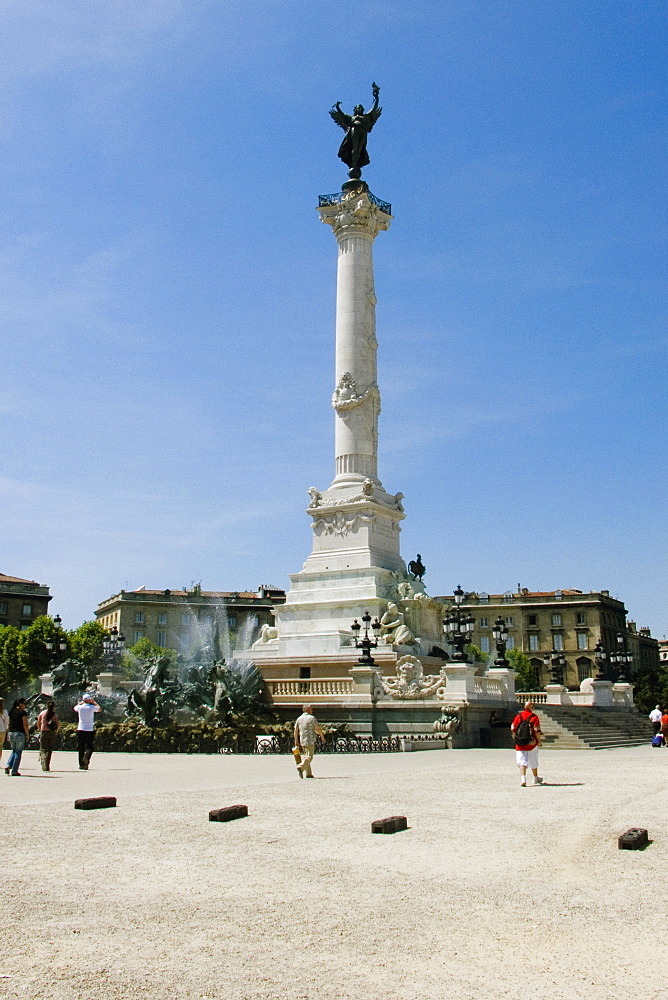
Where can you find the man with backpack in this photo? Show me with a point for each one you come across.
(526, 732)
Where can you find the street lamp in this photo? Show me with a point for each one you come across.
(58, 645)
(366, 644)
(622, 658)
(500, 633)
(601, 660)
(112, 645)
(458, 626)
(556, 663)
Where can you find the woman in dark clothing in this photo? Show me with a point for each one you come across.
(18, 735)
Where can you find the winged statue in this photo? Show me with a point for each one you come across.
(357, 127)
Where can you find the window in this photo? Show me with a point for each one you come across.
(484, 623)
(231, 621)
(484, 598)
(3, 609)
(533, 643)
(206, 619)
(139, 618)
(558, 641)
(484, 643)
(24, 628)
(162, 619)
(508, 596)
(509, 620)
(582, 640)
(556, 620)
(27, 610)
(162, 638)
(138, 634)
(532, 620)
(510, 642)
(185, 619)
(582, 618)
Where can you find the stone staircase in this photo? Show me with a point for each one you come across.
(573, 728)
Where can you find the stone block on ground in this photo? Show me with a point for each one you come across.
(633, 840)
(391, 824)
(227, 813)
(101, 802)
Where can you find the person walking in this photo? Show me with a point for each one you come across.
(19, 731)
(655, 719)
(86, 710)
(48, 725)
(307, 728)
(664, 726)
(526, 731)
(4, 725)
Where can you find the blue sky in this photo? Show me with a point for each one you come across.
(167, 290)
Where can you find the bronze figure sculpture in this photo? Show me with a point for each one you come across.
(357, 126)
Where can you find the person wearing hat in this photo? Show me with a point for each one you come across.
(86, 710)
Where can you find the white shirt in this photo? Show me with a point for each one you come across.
(655, 715)
(86, 713)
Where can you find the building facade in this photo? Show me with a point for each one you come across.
(564, 621)
(187, 620)
(21, 601)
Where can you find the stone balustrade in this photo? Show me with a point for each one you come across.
(312, 688)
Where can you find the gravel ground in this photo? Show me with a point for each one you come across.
(493, 891)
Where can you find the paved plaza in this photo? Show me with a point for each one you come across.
(493, 891)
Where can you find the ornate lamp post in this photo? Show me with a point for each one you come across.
(622, 658)
(57, 646)
(457, 627)
(113, 644)
(500, 633)
(601, 660)
(366, 644)
(556, 661)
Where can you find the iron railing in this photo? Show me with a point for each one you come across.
(337, 744)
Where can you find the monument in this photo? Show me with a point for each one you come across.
(355, 565)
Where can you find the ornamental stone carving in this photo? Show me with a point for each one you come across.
(269, 633)
(316, 497)
(341, 524)
(393, 628)
(347, 395)
(355, 215)
(411, 682)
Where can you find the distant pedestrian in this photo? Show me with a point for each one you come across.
(4, 725)
(526, 731)
(655, 719)
(664, 726)
(48, 725)
(86, 711)
(19, 731)
(307, 728)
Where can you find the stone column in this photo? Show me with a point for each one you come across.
(356, 219)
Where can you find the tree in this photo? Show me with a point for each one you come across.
(86, 643)
(476, 653)
(32, 654)
(11, 676)
(143, 650)
(525, 679)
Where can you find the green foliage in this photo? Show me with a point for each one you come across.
(86, 643)
(134, 737)
(134, 658)
(12, 678)
(651, 688)
(476, 653)
(31, 654)
(518, 661)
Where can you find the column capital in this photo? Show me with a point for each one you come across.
(357, 213)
